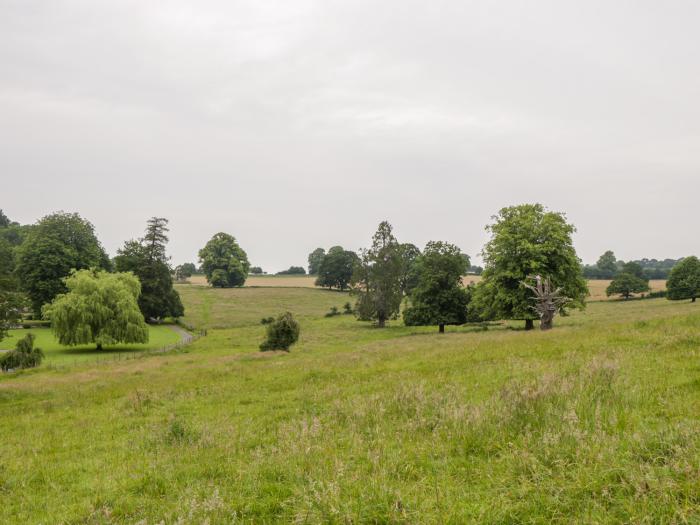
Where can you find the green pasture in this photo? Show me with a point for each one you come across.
(58, 354)
(594, 422)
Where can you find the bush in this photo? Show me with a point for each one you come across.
(333, 312)
(347, 309)
(267, 320)
(281, 334)
(23, 356)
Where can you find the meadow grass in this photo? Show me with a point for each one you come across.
(58, 354)
(208, 307)
(593, 422)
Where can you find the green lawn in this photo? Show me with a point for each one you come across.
(594, 422)
(57, 354)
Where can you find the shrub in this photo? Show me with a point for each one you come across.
(281, 334)
(347, 309)
(23, 356)
(333, 312)
(267, 320)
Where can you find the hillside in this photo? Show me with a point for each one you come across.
(595, 421)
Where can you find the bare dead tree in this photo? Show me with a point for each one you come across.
(547, 301)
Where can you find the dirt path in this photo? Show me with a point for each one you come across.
(185, 336)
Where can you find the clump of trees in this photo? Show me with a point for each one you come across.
(100, 308)
(224, 262)
(23, 356)
(147, 259)
(56, 245)
(684, 281)
(527, 240)
(282, 333)
(293, 270)
(255, 270)
(184, 271)
(336, 268)
(626, 284)
(439, 298)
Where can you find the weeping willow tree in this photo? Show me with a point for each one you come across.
(100, 308)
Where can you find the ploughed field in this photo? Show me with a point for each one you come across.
(596, 422)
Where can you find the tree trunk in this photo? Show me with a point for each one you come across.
(693, 300)
(99, 346)
(547, 319)
(441, 328)
(529, 324)
(381, 322)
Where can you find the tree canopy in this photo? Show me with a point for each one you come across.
(100, 308)
(293, 270)
(377, 278)
(224, 262)
(315, 259)
(410, 255)
(439, 298)
(59, 243)
(626, 284)
(147, 259)
(607, 265)
(684, 281)
(336, 268)
(527, 240)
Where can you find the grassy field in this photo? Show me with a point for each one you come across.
(57, 354)
(596, 287)
(284, 281)
(594, 422)
(208, 307)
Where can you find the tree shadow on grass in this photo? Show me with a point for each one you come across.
(107, 350)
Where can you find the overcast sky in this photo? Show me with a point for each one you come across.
(297, 124)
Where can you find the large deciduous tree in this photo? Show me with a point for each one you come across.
(336, 268)
(439, 298)
(377, 278)
(410, 254)
(224, 262)
(59, 243)
(527, 240)
(147, 259)
(607, 265)
(315, 260)
(99, 308)
(684, 281)
(626, 284)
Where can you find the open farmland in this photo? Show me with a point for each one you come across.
(596, 287)
(278, 281)
(595, 421)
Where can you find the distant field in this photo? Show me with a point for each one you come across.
(286, 281)
(208, 307)
(595, 287)
(55, 353)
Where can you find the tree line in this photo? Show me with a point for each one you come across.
(531, 271)
(608, 267)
